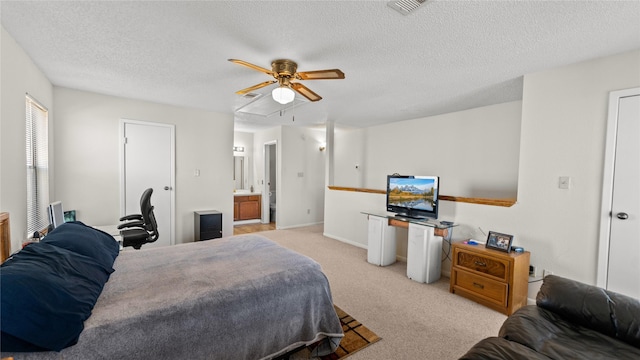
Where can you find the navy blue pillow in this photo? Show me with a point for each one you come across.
(85, 240)
(49, 290)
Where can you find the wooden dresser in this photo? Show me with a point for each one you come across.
(493, 278)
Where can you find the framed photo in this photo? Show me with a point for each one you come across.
(498, 241)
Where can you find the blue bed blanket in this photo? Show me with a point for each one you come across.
(48, 289)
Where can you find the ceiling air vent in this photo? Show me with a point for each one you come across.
(405, 7)
(251, 95)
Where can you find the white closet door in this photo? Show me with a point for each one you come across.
(624, 244)
(148, 163)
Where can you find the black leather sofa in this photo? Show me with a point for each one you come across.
(570, 320)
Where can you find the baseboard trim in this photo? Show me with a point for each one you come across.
(346, 241)
(297, 226)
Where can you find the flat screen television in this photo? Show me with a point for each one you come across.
(56, 214)
(413, 196)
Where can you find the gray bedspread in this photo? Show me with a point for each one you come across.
(242, 297)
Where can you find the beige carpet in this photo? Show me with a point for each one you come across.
(414, 320)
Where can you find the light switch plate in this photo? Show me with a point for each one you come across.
(564, 182)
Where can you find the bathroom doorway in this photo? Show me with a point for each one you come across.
(269, 200)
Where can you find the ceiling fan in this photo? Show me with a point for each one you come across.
(283, 71)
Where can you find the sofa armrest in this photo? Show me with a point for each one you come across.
(607, 312)
(496, 348)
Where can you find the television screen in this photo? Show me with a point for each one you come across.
(413, 196)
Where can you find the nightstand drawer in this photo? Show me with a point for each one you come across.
(489, 289)
(486, 265)
(492, 278)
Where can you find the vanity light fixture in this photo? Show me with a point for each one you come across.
(238, 148)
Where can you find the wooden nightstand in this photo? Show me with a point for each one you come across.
(493, 278)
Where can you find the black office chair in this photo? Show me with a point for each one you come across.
(140, 229)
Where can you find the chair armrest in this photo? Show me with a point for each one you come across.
(130, 224)
(131, 217)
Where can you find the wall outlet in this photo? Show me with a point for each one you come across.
(533, 271)
(546, 272)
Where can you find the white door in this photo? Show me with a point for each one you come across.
(624, 244)
(148, 162)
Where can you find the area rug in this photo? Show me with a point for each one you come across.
(356, 337)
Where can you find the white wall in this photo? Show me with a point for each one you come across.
(561, 133)
(564, 116)
(475, 152)
(343, 218)
(19, 76)
(87, 157)
(300, 173)
(301, 177)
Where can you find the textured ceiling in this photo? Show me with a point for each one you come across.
(446, 56)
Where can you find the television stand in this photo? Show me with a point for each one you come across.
(424, 244)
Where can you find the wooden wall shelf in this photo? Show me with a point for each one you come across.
(481, 201)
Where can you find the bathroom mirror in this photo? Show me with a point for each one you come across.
(239, 172)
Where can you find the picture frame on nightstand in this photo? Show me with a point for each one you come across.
(499, 241)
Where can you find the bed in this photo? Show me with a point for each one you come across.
(242, 297)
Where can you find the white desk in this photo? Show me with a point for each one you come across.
(111, 230)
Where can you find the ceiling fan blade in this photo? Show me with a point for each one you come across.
(306, 92)
(320, 74)
(251, 66)
(255, 87)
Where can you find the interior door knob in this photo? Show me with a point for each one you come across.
(622, 216)
(167, 187)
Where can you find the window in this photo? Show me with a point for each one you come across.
(37, 150)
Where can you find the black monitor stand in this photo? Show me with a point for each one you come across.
(403, 216)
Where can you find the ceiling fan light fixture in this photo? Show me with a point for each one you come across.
(283, 72)
(283, 95)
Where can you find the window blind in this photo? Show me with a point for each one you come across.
(37, 151)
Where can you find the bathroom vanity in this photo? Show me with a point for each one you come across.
(246, 206)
